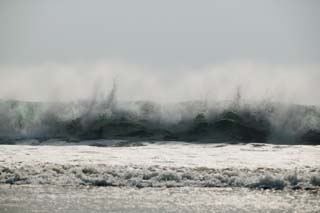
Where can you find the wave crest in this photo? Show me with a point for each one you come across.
(187, 121)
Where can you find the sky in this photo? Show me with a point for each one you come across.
(156, 49)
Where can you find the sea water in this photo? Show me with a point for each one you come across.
(159, 177)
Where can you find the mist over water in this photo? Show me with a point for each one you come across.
(229, 102)
(218, 82)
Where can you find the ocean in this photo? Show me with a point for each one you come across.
(107, 156)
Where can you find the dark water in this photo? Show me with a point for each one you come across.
(193, 121)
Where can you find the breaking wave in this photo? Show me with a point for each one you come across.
(196, 121)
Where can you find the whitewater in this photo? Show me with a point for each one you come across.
(195, 156)
(100, 176)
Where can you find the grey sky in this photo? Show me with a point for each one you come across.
(159, 33)
(165, 50)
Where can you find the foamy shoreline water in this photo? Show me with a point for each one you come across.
(83, 199)
(159, 177)
(163, 165)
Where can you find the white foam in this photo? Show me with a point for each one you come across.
(157, 165)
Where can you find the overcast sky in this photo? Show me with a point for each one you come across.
(159, 33)
(160, 50)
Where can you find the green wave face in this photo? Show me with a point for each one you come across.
(188, 121)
